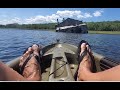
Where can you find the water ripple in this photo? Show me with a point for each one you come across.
(14, 42)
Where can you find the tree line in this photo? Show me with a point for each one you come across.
(104, 26)
(95, 26)
(30, 26)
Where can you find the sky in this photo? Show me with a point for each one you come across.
(50, 15)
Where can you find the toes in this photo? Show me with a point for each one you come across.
(36, 49)
(35, 46)
(29, 51)
(26, 55)
(83, 47)
(88, 48)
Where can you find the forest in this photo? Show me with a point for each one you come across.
(30, 26)
(92, 26)
(104, 26)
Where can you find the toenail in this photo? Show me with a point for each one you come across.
(29, 49)
(27, 52)
(83, 45)
(33, 45)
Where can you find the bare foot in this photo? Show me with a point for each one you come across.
(25, 56)
(85, 65)
(36, 49)
(32, 70)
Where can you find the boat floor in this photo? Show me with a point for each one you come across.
(59, 71)
(45, 75)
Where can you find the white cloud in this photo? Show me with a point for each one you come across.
(67, 13)
(98, 13)
(43, 19)
(10, 21)
(76, 14)
(53, 18)
(80, 16)
(58, 15)
(15, 20)
(35, 19)
(87, 15)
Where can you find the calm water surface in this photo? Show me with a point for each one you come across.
(14, 41)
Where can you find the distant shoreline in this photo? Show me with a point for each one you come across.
(89, 31)
(29, 29)
(104, 32)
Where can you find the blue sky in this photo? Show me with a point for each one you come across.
(50, 15)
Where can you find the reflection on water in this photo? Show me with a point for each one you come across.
(14, 42)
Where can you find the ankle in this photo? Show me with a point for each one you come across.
(84, 73)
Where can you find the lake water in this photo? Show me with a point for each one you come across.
(14, 41)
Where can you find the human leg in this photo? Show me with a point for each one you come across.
(8, 74)
(32, 70)
(85, 73)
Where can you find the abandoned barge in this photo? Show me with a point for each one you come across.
(72, 26)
